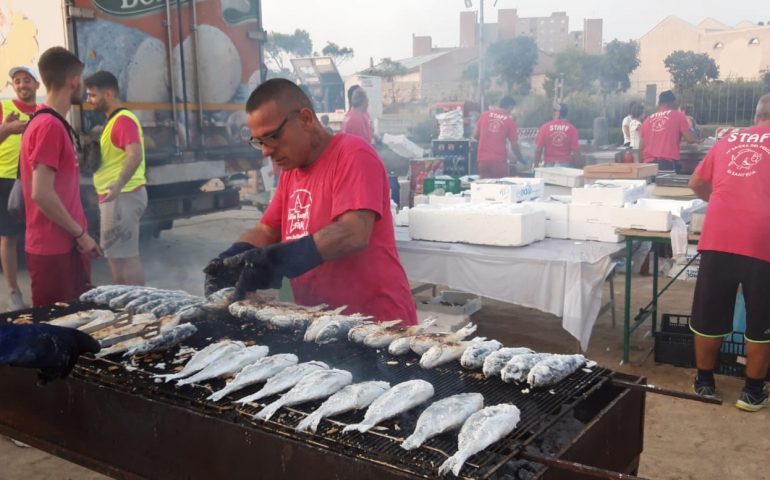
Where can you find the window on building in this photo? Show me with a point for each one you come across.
(754, 41)
(719, 45)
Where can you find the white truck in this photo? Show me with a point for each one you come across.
(185, 68)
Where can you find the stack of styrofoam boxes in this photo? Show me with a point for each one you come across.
(690, 273)
(556, 209)
(655, 214)
(593, 207)
(448, 199)
(506, 190)
(477, 223)
(561, 176)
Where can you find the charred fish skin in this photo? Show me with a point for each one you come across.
(257, 372)
(202, 358)
(554, 369)
(475, 355)
(166, 340)
(172, 306)
(338, 328)
(399, 399)
(104, 297)
(90, 295)
(284, 380)
(383, 337)
(358, 333)
(400, 346)
(517, 369)
(421, 343)
(446, 352)
(481, 430)
(498, 359)
(313, 386)
(228, 364)
(351, 397)
(442, 416)
(122, 301)
(219, 300)
(78, 319)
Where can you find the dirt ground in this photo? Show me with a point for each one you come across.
(683, 439)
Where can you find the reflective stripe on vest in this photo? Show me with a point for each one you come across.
(113, 159)
(9, 149)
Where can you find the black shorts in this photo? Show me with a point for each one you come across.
(9, 225)
(713, 306)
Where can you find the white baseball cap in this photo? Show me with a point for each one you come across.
(23, 68)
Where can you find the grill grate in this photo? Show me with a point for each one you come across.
(538, 406)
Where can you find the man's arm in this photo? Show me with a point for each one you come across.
(133, 160)
(261, 235)
(538, 156)
(350, 233)
(517, 151)
(11, 126)
(44, 195)
(689, 137)
(576, 156)
(701, 187)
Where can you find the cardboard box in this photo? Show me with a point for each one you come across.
(602, 214)
(610, 192)
(562, 176)
(593, 231)
(506, 190)
(620, 170)
(452, 308)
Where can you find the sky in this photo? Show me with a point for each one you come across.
(383, 28)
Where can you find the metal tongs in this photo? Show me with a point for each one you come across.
(143, 330)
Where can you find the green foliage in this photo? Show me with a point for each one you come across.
(688, 69)
(580, 72)
(513, 60)
(338, 53)
(533, 111)
(280, 47)
(387, 68)
(617, 63)
(726, 103)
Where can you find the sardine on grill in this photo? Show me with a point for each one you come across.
(554, 369)
(358, 333)
(165, 324)
(474, 356)
(352, 397)
(497, 360)
(399, 399)
(445, 352)
(313, 386)
(228, 364)
(284, 380)
(205, 357)
(442, 416)
(517, 369)
(338, 328)
(164, 341)
(382, 337)
(257, 372)
(422, 342)
(83, 317)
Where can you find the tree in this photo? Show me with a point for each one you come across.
(688, 69)
(620, 59)
(339, 54)
(513, 60)
(766, 82)
(280, 47)
(389, 70)
(580, 72)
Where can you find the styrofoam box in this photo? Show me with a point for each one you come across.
(449, 318)
(640, 218)
(506, 190)
(681, 208)
(593, 231)
(556, 215)
(402, 218)
(562, 176)
(610, 192)
(482, 224)
(448, 199)
(557, 228)
(582, 213)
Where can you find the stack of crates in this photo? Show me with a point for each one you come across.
(459, 156)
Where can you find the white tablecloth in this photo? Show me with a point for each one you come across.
(563, 277)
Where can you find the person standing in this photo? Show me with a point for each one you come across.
(329, 227)
(557, 141)
(663, 131)
(625, 125)
(15, 114)
(734, 178)
(357, 121)
(635, 126)
(58, 246)
(119, 180)
(494, 130)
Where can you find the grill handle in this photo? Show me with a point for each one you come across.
(577, 467)
(664, 391)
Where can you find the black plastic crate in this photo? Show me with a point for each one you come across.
(674, 345)
(459, 156)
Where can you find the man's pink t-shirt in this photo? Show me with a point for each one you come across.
(358, 124)
(738, 215)
(559, 139)
(347, 176)
(662, 133)
(496, 128)
(46, 141)
(124, 132)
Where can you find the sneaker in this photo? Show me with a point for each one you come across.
(705, 390)
(751, 402)
(16, 302)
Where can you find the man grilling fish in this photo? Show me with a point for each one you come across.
(329, 227)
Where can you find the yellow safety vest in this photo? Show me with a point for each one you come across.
(9, 149)
(113, 159)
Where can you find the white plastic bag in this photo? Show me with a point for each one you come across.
(402, 146)
(679, 239)
(450, 125)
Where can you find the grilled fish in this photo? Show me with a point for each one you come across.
(319, 322)
(164, 341)
(172, 306)
(219, 300)
(190, 312)
(138, 323)
(398, 399)
(122, 301)
(422, 343)
(554, 369)
(481, 430)
(165, 324)
(78, 319)
(383, 337)
(517, 369)
(474, 356)
(446, 352)
(358, 333)
(103, 320)
(338, 328)
(105, 296)
(204, 357)
(313, 386)
(497, 360)
(90, 295)
(442, 416)
(228, 364)
(400, 346)
(284, 380)
(352, 397)
(257, 372)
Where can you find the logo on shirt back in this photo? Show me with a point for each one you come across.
(559, 138)
(298, 216)
(659, 121)
(744, 159)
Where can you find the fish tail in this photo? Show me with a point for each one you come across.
(268, 411)
(218, 395)
(412, 442)
(309, 423)
(454, 464)
(361, 427)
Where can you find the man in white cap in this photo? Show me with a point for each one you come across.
(14, 114)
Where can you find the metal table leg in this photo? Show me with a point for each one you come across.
(627, 305)
(655, 295)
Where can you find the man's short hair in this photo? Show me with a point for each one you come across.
(561, 108)
(507, 102)
(284, 92)
(351, 90)
(102, 80)
(666, 98)
(57, 65)
(358, 98)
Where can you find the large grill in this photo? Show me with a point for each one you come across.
(585, 396)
